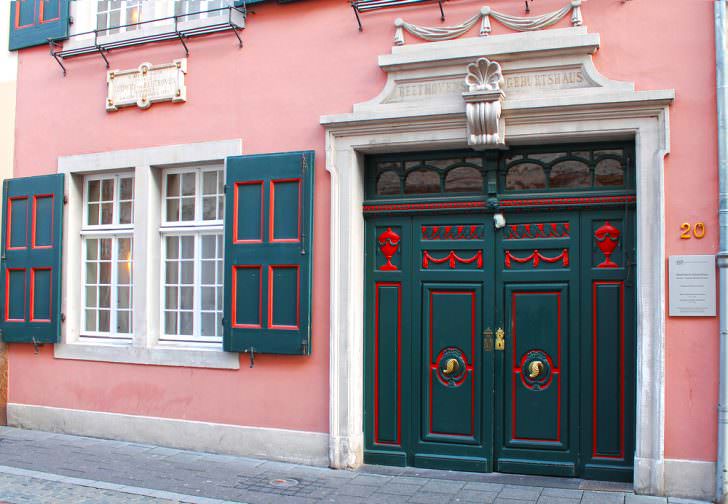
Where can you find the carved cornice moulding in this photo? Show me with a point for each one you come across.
(543, 72)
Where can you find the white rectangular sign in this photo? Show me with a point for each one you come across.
(146, 85)
(692, 286)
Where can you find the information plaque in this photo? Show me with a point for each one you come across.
(146, 84)
(692, 285)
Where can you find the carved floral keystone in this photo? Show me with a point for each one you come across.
(486, 128)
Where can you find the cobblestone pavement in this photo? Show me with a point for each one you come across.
(40, 467)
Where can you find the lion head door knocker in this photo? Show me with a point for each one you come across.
(388, 244)
(607, 238)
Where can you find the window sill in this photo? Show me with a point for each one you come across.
(158, 356)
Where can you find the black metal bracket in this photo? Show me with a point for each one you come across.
(57, 52)
(361, 6)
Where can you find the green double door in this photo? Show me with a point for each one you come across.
(507, 350)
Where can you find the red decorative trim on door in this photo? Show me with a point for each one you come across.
(236, 240)
(607, 238)
(469, 363)
(451, 259)
(9, 230)
(593, 200)
(34, 220)
(555, 369)
(537, 230)
(453, 232)
(449, 205)
(388, 245)
(377, 285)
(7, 294)
(271, 212)
(32, 295)
(234, 302)
(271, 298)
(596, 455)
(537, 257)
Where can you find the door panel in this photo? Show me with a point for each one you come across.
(537, 304)
(534, 401)
(452, 285)
(451, 412)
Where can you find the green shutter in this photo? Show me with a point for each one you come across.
(32, 232)
(33, 22)
(268, 259)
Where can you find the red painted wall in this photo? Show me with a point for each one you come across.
(307, 59)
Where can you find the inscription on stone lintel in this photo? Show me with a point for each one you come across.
(522, 81)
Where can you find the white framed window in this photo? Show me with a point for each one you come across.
(106, 252)
(194, 8)
(192, 254)
(133, 240)
(111, 14)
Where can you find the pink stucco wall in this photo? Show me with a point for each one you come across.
(307, 59)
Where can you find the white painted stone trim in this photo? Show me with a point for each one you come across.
(276, 444)
(145, 347)
(690, 478)
(603, 110)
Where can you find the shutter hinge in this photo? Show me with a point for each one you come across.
(224, 188)
(36, 346)
(304, 346)
(63, 317)
(65, 199)
(251, 350)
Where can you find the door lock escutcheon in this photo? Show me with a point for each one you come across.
(488, 340)
(500, 339)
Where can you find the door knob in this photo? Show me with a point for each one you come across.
(535, 368)
(451, 367)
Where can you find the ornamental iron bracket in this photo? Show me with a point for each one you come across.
(486, 126)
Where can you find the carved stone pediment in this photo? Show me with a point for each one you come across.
(543, 69)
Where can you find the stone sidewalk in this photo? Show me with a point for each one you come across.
(40, 467)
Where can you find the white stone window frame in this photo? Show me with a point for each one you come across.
(196, 228)
(83, 13)
(113, 231)
(148, 165)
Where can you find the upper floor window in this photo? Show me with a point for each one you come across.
(195, 9)
(112, 15)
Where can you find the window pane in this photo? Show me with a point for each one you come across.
(170, 295)
(188, 184)
(185, 323)
(208, 324)
(208, 272)
(104, 320)
(123, 322)
(125, 216)
(187, 272)
(90, 296)
(173, 184)
(171, 272)
(93, 214)
(172, 210)
(94, 190)
(525, 176)
(208, 298)
(126, 188)
(609, 172)
(421, 182)
(570, 174)
(91, 273)
(90, 320)
(124, 261)
(388, 183)
(107, 213)
(105, 249)
(107, 190)
(172, 247)
(124, 297)
(105, 273)
(464, 179)
(188, 209)
(188, 247)
(208, 246)
(170, 322)
(209, 182)
(104, 296)
(209, 208)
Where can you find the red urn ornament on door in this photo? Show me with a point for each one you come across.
(607, 238)
(388, 244)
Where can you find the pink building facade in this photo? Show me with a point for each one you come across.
(148, 347)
